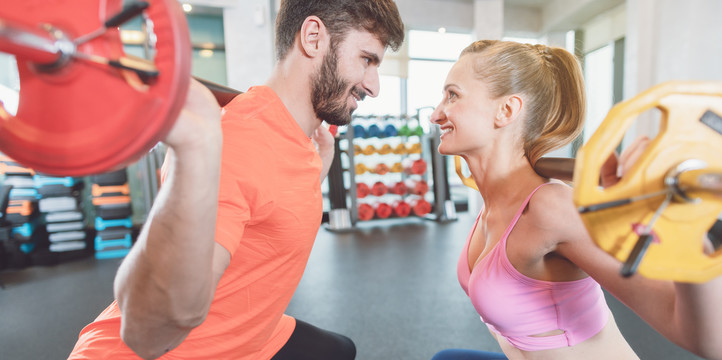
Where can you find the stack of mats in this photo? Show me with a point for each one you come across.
(64, 219)
(21, 216)
(113, 223)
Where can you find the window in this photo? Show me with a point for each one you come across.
(599, 81)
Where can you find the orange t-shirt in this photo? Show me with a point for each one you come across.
(269, 212)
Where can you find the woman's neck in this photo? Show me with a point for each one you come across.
(502, 176)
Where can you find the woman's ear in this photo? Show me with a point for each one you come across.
(509, 110)
(313, 37)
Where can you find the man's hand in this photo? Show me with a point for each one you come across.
(325, 144)
(198, 123)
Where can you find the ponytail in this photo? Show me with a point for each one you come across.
(552, 80)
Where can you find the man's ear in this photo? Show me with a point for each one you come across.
(313, 37)
(509, 110)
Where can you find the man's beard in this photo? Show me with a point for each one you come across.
(329, 92)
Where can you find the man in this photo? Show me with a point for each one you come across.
(182, 293)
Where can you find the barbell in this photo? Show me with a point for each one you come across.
(656, 217)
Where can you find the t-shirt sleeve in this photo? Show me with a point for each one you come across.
(234, 213)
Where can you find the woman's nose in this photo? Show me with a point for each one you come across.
(438, 115)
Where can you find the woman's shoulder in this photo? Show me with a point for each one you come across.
(551, 209)
(550, 202)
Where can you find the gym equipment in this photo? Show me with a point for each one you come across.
(401, 208)
(359, 131)
(381, 169)
(368, 150)
(683, 161)
(417, 167)
(110, 190)
(399, 188)
(417, 187)
(362, 190)
(673, 193)
(397, 168)
(365, 212)
(378, 189)
(86, 107)
(361, 168)
(415, 148)
(385, 149)
(383, 210)
(419, 206)
(373, 131)
(390, 131)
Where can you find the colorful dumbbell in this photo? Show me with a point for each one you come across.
(365, 212)
(401, 208)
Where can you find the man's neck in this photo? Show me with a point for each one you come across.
(293, 87)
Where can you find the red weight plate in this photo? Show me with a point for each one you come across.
(88, 118)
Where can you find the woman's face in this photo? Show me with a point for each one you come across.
(466, 112)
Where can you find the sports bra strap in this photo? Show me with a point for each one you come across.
(521, 210)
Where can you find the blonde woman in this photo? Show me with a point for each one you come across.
(529, 266)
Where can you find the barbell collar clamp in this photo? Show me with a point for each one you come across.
(129, 11)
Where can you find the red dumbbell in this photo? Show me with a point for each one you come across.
(365, 212)
(401, 208)
(417, 166)
(379, 189)
(419, 206)
(417, 187)
(383, 210)
(362, 190)
(398, 188)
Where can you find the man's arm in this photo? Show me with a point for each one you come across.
(165, 285)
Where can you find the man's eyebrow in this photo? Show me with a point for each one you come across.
(374, 58)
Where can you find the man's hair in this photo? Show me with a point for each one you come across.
(379, 17)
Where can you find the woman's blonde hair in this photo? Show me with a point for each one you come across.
(550, 77)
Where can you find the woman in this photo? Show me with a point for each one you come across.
(528, 265)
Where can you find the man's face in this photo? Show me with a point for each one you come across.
(347, 74)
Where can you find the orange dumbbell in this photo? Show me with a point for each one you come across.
(381, 169)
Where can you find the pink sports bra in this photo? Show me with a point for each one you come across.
(516, 306)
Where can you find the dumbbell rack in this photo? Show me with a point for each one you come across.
(379, 158)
